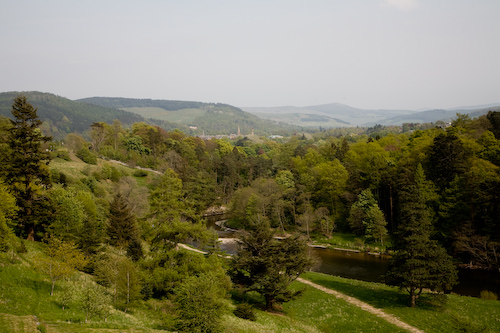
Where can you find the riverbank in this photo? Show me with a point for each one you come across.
(340, 241)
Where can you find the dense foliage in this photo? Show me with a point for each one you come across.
(431, 193)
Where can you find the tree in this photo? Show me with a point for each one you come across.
(418, 261)
(63, 259)
(27, 167)
(494, 118)
(7, 210)
(447, 158)
(121, 276)
(67, 218)
(268, 266)
(201, 301)
(98, 133)
(122, 228)
(366, 218)
(94, 301)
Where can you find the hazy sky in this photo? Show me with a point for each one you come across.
(393, 54)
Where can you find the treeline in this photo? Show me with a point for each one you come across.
(317, 183)
(169, 105)
(217, 118)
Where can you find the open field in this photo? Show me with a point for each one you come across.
(184, 116)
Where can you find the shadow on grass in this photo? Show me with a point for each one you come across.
(380, 295)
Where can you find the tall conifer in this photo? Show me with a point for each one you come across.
(27, 170)
(122, 228)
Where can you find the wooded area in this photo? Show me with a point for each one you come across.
(430, 195)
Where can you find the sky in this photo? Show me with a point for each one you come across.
(371, 54)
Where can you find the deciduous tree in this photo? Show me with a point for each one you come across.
(63, 259)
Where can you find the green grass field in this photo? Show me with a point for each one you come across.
(435, 313)
(184, 116)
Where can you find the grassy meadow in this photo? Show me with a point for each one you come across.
(183, 116)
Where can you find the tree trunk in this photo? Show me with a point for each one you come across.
(269, 303)
(413, 301)
(31, 234)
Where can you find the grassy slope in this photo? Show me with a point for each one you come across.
(450, 313)
(184, 116)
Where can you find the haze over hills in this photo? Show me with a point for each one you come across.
(341, 115)
(208, 118)
(62, 116)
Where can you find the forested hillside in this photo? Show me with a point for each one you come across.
(108, 239)
(61, 116)
(208, 118)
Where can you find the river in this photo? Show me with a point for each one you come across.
(366, 267)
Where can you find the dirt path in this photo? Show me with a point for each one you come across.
(378, 312)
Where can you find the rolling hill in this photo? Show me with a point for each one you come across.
(341, 115)
(62, 116)
(325, 115)
(208, 118)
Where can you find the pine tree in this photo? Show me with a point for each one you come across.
(268, 266)
(27, 171)
(122, 228)
(418, 262)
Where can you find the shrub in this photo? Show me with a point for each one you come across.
(201, 302)
(245, 311)
(140, 173)
(63, 154)
(42, 328)
(488, 295)
(87, 156)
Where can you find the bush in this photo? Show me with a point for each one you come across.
(201, 302)
(42, 328)
(140, 173)
(87, 156)
(63, 154)
(245, 311)
(488, 295)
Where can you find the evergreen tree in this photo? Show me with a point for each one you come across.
(7, 209)
(366, 218)
(418, 261)
(268, 266)
(27, 171)
(122, 228)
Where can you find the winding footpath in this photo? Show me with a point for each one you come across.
(367, 307)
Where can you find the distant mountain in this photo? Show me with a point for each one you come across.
(208, 118)
(475, 107)
(341, 115)
(335, 114)
(62, 116)
(431, 116)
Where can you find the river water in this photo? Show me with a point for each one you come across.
(366, 267)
